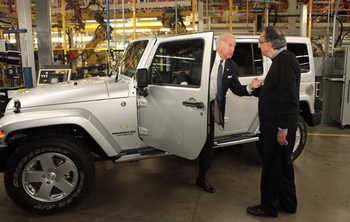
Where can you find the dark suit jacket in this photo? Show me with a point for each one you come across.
(230, 81)
(279, 96)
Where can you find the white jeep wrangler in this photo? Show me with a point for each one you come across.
(51, 135)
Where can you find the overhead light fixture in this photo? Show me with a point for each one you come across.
(111, 20)
(148, 19)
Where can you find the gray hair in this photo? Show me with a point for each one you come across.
(222, 37)
(275, 36)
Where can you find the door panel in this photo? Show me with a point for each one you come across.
(242, 111)
(174, 115)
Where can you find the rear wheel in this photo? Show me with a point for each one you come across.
(49, 175)
(300, 140)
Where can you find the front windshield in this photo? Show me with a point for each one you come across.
(131, 57)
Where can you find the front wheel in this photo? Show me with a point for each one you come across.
(49, 175)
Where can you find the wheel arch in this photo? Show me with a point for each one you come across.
(80, 123)
(305, 112)
(17, 137)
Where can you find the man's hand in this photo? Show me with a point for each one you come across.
(256, 83)
(281, 137)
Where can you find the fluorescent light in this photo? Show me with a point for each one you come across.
(111, 20)
(148, 19)
(56, 39)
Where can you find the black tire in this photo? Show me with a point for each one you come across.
(300, 140)
(49, 175)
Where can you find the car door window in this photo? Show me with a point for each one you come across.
(249, 59)
(178, 63)
(300, 52)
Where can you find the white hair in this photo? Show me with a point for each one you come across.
(222, 38)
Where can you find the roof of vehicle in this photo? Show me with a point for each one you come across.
(296, 39)
(238, 37)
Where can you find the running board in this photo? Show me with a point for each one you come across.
(234, 141)
(140, 155)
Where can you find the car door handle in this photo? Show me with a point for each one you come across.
(198, 105)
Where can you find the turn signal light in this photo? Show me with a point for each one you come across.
(2, 134)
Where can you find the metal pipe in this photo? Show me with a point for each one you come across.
(230, 15)
(123, 15)
(311, 2)
(176, 17)
(108, 34)
(194, 12)
(63, 12)
(334, 25)
(266, 15)
(108, 22)
(328, 18)
(303, 21)
(115, 24)
(134, 17)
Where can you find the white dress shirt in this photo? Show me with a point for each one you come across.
(214, 75)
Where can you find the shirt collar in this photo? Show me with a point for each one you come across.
(278, 52)
(218, 58)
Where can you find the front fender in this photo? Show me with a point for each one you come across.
(81, 117)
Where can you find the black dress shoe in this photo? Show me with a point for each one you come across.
(259, 211)
(205, 185)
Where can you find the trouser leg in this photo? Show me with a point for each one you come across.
(288, 199)
(270, 177)
(207, 153)
(277, 179)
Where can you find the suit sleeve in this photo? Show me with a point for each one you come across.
(289, 92)
(256, 92)
(235, 85)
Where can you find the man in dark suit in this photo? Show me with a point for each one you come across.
(226, 69)
(278, 113)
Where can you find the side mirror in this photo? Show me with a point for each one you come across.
(142, 82)
(142, 78)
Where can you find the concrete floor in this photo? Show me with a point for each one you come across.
(162, 190)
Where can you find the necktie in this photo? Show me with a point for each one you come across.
(219, 82)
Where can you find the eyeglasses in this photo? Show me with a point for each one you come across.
(261, 42)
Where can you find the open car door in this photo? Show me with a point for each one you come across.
(173, 116)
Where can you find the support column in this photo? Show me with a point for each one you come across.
(311, 3)
(303, 20)
(335, 27)
(266, 15)
(194, 13)
(27, 43)
(230, 5)
(292, 10)
(200, 16)
(43, 30)
(134, 17)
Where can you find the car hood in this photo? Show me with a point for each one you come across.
(71, 92)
